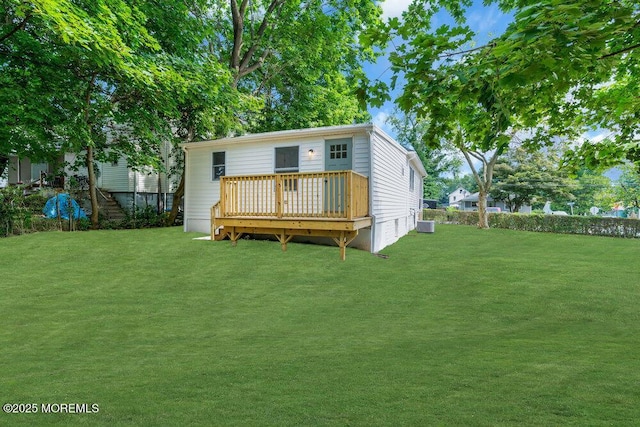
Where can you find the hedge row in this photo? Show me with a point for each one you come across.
(591, 225)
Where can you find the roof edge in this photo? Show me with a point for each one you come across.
(283, 135)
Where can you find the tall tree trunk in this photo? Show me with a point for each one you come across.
(93, 194)
(483, 217)
(484, 181)
(179, 193)
(159, 201)
(177, 197)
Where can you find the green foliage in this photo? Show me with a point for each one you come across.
(588, 225)
(436, 161)
(142, 217)
(12, 211)
(562, 68)
(627, 190)
(592, 189)
(522, 178)
(302, 59)
(35, 202)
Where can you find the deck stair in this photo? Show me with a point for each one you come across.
(110, 209)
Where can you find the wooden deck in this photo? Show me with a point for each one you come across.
(319, 204)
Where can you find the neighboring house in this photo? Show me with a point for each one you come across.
(23, 171)
(350, 183)
(457, 195)
(470, 203)
(124, 183)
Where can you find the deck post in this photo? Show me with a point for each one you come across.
(283, 238)
(279, 196)
(223, 195)
(348, 195)
(234, 236)
(215, 213)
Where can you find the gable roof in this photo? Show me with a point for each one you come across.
(475, 197)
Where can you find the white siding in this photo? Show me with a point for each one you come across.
(115, 177)
(120, 178)
(393, 205)
(200, 191)
(415, 199)
(361, 154)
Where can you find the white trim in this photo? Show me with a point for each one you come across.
(327, 132)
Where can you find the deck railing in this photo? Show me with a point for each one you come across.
(339, 195)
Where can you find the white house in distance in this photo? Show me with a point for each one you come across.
(352, 183)
(470, 203)
(456, 195)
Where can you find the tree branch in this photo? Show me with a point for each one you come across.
(244, 67)
(626, 49)
(237, 14)
(462, 52)
(17, 28)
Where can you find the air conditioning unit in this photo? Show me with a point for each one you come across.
(426, 226)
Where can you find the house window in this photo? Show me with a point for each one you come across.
(412, 176)
(287, 162)
(218, 168)
(338, 151)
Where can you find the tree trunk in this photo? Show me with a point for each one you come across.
(93, 195)
(483, 217)
(159, 201)
(177, 200)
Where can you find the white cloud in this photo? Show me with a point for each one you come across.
(393, 8)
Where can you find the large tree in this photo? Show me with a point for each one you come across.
(294, 63)
(110, 77)
(94, 77)
(523, 177)
(560, 68)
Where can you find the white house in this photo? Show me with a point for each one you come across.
(142, 185)
(124, 183)
(470, 203)
(456, 195)
(269, 178)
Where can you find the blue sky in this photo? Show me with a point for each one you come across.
(487, 21)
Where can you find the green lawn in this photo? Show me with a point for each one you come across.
(460, 327)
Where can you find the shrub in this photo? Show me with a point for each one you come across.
(146, 217)
(35, 202)
(12, 211)
(591, 225)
